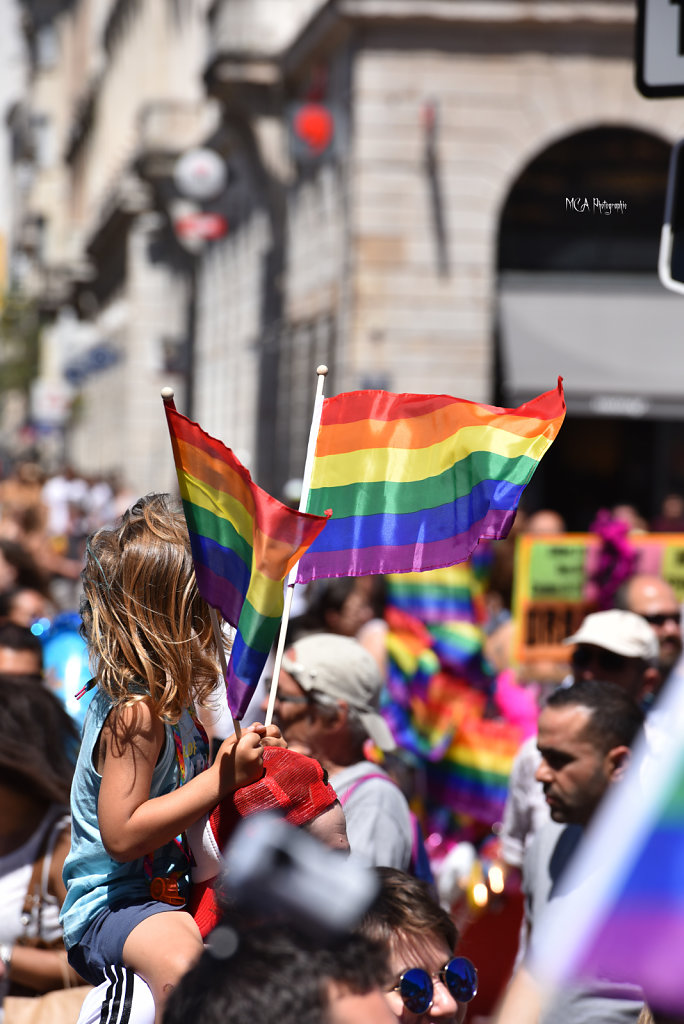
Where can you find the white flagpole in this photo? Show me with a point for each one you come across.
(322, 372)
(218, 637)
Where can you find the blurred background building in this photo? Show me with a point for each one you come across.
(459, 196)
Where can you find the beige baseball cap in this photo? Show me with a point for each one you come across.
(339, 667)
(618, 631)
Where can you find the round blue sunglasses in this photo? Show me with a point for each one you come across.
(417, 990)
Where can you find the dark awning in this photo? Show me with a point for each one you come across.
(617, 341)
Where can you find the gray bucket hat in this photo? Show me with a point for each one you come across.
(339, 667)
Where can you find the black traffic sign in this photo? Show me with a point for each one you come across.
(660, 48)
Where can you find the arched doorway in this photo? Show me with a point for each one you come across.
(579, 296)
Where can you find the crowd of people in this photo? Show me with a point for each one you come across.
(114, 824)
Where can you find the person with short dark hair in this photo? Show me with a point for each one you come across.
(21, 653)
(266, 972)
(339, 605)
(613, 646)
(405, 905)
(426, 981)
(585, 734)
(19, 567)
(24, 606)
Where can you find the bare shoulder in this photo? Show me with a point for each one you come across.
(132, 727)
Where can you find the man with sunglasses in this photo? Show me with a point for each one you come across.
(655, 600)
(617, 646)
(427, 983)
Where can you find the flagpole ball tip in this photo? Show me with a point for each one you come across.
(322, 370)
(167, 394)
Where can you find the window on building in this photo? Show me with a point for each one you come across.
(305, 346)
(46, 46)
(44, 148)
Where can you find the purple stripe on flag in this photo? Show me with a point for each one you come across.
(642, 945)
(220, 593)
(239, 693)
(415, 557)
(477, 798)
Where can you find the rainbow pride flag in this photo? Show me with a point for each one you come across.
(414, 481)
(438, 700)
(441, 596)
(244, 543)
(620, 911)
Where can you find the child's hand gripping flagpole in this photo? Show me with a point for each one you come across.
(322, 372)
(167, 396)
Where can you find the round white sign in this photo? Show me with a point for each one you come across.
(200, 174)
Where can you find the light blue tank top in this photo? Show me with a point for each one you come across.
(95, 880)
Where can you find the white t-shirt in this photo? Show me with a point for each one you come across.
(15, 875)
(377, 814)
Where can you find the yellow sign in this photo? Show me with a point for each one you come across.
(552, 591)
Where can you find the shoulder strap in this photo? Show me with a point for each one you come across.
(40, 874)
(58, 848)
(358, 782)
(420, 864)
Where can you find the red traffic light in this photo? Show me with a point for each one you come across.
(314, 125)
(201, 225)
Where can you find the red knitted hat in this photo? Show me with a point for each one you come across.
(292, 783)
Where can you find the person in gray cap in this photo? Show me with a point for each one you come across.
(326, 706)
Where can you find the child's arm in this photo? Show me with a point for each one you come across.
(132, 824)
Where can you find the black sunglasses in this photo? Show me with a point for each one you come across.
(285, 698)
(417, 990)
(660, 618)
(583, 657)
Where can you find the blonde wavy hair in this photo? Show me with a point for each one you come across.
(143, 618)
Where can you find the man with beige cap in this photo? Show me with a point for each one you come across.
(617, 647)
(327, 707)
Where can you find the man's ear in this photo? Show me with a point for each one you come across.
(652, 680)
(618, 759)
(336, 717)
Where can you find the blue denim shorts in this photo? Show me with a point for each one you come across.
(103, 941)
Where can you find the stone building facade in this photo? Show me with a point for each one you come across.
(431, 249)
(120, 93)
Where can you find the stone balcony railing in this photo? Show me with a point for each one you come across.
(258, 28)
